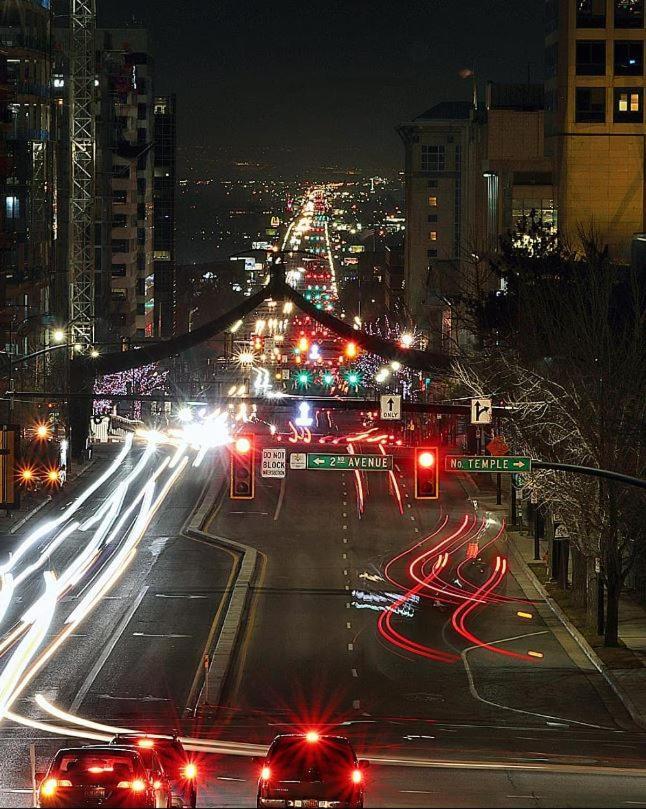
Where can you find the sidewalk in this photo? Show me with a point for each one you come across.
(31, 504)
(623, 668)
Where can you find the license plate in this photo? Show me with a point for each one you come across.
(96, 792)
(310, 804)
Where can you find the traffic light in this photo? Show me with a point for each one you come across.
(242, 468)
(427, 473)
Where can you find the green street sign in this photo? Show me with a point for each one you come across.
(485, 463)
(364, 463)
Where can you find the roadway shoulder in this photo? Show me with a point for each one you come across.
(573, 642)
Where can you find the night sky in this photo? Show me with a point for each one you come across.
(328, 79)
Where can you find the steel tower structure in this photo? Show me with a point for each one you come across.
(82, 179)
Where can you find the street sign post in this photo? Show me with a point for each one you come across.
(273, 462)
(481, 411)
(391, 406)
(363, 463)
(483, 463)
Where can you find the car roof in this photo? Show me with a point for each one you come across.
(107, 749)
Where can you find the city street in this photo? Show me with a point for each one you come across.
(449, 722)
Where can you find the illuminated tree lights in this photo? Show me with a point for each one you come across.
(145, 380)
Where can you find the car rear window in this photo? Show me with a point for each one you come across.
(97, 765)
(298, 760)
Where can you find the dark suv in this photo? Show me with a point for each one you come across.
(180, 767)
(312, 769)
(97, 776)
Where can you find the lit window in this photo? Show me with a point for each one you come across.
(12, 207)
(433, 236)
(628, 105)
(432, 201)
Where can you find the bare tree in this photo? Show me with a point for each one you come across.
(567, 353)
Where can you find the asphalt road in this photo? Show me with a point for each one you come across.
(477, 728)
(133, 661)
(312, 654)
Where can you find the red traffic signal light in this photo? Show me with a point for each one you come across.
(242, 468)
(427, 473)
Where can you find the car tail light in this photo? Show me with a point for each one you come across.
(49, 787)
(138, 785)
(146, 743)
(312, 736)
(357, 776)
(265, 773)
(190, 771)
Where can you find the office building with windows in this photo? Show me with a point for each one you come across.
(125, 146)
(470, 176)
(28, 220)
(595, 116)
(164, 216)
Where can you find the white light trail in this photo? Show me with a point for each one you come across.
(29, 645)
(48, 526)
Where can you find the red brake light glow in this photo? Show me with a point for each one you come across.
(312, 736)
(357, 776)
(147, 743)
(138, 785)
(190, 771)
(265, 773)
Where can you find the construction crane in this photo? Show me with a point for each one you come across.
(82, 179)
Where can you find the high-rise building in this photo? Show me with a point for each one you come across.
(470, 175)
(125, 141)
(594, 85)
(164, 216)
(28, 216)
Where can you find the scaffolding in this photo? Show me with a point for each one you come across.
(83, 145)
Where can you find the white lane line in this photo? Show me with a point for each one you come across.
(149, 635)
(280, 499)
(534, 797)
(350, 647)
(356, 704)
(345, 572)
(344, 555)
(348, 625)
(354, 673)
(417, 792)
(228, 778)
(107, 651)
(345, 540)
(475, 695)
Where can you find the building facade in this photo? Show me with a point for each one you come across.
(125, 146)
(470, 176)
(595, 116)
(164, 183)
(28, 218)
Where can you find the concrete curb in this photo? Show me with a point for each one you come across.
(583, 644)
(237, 602)
(30, 514)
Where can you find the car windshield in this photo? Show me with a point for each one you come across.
(298, 760)
(90, 767)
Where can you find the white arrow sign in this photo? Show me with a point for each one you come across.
(480, 411)
(391, 406)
